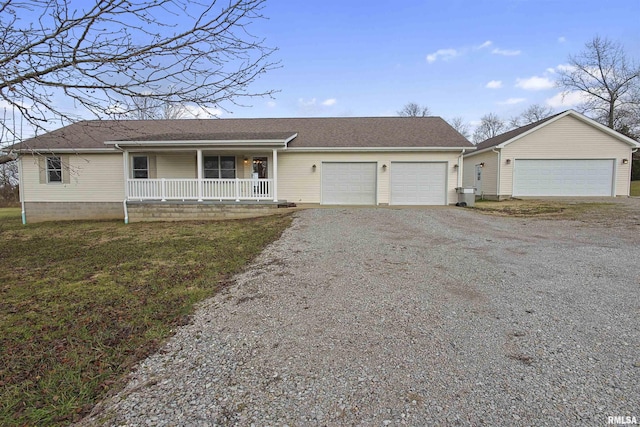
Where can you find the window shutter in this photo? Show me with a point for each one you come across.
(66, 170)
(42, 168)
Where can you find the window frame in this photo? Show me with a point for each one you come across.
(218, 170)
(58, 170)
(134, 169)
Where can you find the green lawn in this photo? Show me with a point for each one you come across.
(635, 188)
(81, 302)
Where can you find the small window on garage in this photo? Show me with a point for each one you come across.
(140, 167)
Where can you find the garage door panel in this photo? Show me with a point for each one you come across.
(555, 177)
(349, 183)
(418, 183)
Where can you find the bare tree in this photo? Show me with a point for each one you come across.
(58, 56)
(490, 125)
(148, 108)
(412, 109)
(460, 125)
(9, 183)
(532, 114)
(609, 81)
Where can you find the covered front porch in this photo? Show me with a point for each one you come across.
(223, 170)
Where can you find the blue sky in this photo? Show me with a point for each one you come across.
(460, 58)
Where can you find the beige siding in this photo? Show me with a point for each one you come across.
(298, 182)
(176, 165)
(568, 138)
(92, 178)
(489, 182)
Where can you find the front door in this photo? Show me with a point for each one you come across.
(477, 182)
(260, 170)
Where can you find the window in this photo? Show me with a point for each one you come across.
(216, 167)
(141, 167)
(54, 169)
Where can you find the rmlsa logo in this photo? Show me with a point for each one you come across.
(620, 420)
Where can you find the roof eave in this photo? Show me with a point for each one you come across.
(205, 142)
(379, 148)
(484, 150)
(64, 150)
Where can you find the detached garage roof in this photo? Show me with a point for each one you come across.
(515, 134)
(302, 133)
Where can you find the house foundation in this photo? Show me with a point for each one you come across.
(69, 211)
(181, 211)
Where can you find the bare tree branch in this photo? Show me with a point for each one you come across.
(532, 114)
(412, 109)
(459, 124)
(490, 125)
(608, 79)
(98, 52)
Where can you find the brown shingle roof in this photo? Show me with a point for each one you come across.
(375, 132)
(499, 139)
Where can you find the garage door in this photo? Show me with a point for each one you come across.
(592, 177)
(349, 183)
(418, 183)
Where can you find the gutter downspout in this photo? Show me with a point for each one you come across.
(126, 177)
(631, 168)
(499, 152)
(460, 165)
(21, 190)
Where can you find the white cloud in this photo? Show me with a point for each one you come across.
(566, 99)
(565, 67)
(313, 107)
(314, 102)
(535, 83)
(512, 101)
(505, 52)
(485, 44)
(271, 104)
(562, 39)
(444, 54)
(304, 103)
(494, 84)
(198, 112)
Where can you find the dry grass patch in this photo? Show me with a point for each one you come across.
(81, 302)
(544, 208)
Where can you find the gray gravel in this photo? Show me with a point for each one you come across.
(417, 317)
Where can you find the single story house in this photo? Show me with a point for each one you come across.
(164, 169)
(566, 154)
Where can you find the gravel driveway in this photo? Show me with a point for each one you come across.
(418, 317)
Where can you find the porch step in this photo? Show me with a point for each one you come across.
(176, 211)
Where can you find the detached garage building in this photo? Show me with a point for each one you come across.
(567, 154)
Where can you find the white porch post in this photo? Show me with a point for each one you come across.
(200, 168)
(275, 175)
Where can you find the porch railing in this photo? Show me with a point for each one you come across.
(200, 189)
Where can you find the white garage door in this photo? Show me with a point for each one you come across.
(592, 177)
(349, 183)
(418, 183)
